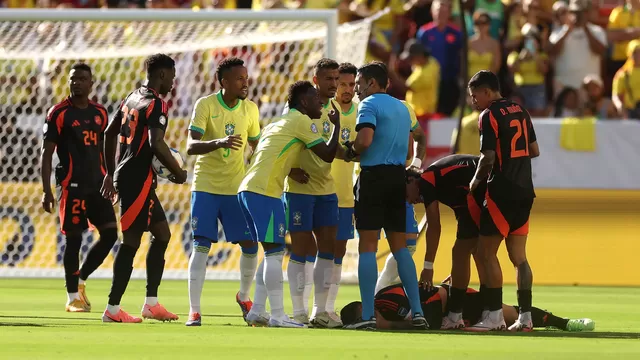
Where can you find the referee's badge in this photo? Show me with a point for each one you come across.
(326, 127)
(297, 218)
(229, 129)
(314, 128)
(345, 133)
(194, 223)
(281, 230)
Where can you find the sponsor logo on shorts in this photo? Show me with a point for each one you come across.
(326, 127)
(194, 223)
(297, 218)
(314, 128)
(345, 133)
(281, 230)
(229, 129)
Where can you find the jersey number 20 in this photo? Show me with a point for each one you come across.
(521, 128)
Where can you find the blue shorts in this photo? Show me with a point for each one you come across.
(265, 217)
(346, 224)
(308, 212)
(411, 226)
(207, 208)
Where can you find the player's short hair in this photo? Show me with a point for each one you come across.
(412, 173)
(296, 91)
(325, 64)
(377, 71)
(350, 314)
(227, 64)
(157, 62)
(83, 67)
(485, 79)
(348, 68)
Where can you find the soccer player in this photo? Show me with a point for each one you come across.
(220, 124)
(312, 209)
(261, 190)
(392, 309)
(507, 144)
(447, 181)
(141, 122)
(383, 138)
(74, 129)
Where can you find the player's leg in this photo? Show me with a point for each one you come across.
(73, 222)
(311, 249)
(204, 229)
(160, 236)
(299, 212)
(542, 319)
(122, 268)
(100, 213)
(236, 231)
(345, 233)
(325, 220)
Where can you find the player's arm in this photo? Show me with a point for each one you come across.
(157, 123)
(197, 127)
(534, 149)
(254, 129)
(327, 151)
(382, 323)
(488, 144)
(111, 141)
(421, 141)
(410, 149)
(49, 143)
(434, 229)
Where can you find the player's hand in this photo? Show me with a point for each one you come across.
(349, 154)
(181, 178)
(299, 175)
(334, 115)
(107, 190)
(473, 185)
(48, 201)
(426, 279)
(233, 142)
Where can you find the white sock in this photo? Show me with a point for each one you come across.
(389, 274)
(248, 265)
(151, 301)
(273, 281)
(308, 284)
(260, 294)
(197, 272)
(322, 274)
(113, 309)
(296, 275)
(335, 286)
(71, 297)
(81, 282)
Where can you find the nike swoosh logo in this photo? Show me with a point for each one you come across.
(213, 117)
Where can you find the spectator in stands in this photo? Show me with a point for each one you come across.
(577, 40)
(597, 104)
(24, 4)
(419, 12)
(567, 104)
(389, 24)
(529, 67)
(484, 51)
(626, 84)
(444, 43)
(560, 15)
(624, 26)
(494, 9)
(469, 142)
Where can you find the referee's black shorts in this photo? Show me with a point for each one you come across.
(380, 194)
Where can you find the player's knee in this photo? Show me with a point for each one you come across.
(340, 249)
(461, 250)
(131, 240)
(517, 258)
(109, 235)
(73, 244)
(272, 249)
(249, 248)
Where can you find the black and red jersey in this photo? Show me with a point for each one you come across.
(506, 128)
(447, 180)
(78, 134)
(142, 110)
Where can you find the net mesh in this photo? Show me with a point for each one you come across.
(35, 58)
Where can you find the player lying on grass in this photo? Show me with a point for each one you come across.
(392, 311)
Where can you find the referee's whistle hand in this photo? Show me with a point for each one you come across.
(334, 115)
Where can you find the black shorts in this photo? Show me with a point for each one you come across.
(469, 217)
(79, 210)
(505, 216)
(139, 207)
(380, 195)
(472, 308)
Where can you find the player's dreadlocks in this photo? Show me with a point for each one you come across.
(226, 65)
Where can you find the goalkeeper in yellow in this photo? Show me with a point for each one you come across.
(221, 126)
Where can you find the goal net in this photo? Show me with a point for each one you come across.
(36, 54)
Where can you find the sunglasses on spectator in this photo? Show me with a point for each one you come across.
(482, 22)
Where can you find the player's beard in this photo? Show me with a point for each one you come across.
(346, 98)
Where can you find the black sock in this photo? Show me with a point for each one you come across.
(122, 268)
(456, 299)
(98, 252)
(71, 261)
(155, 266)
(524, 300)
(494, 299)
(483, 297)
(542, 318)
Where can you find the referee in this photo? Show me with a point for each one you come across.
(383, 139)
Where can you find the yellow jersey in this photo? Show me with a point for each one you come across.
(221, 171)
(622, 17)
(423, 84)
(341, 170)
(280, 146)
(320, 179)
(527, 73)
(626, 84)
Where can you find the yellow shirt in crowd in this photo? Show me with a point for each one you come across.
(424, 81)
(625, 82)
(621, 18)
(527, 73)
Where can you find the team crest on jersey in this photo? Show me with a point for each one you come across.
(194, 223)
(229, 129)
(345, 133)
(314, 128)
(326, 127)
(98, 120)
(297, 218)
(281, 230)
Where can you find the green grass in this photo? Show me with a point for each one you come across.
(33, 325)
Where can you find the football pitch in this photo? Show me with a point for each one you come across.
(33, 325)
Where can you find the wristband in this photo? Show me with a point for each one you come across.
(428, 265)
(416, 162)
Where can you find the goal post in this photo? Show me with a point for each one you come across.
(37, 49)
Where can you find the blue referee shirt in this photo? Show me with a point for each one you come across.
(392, 124)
